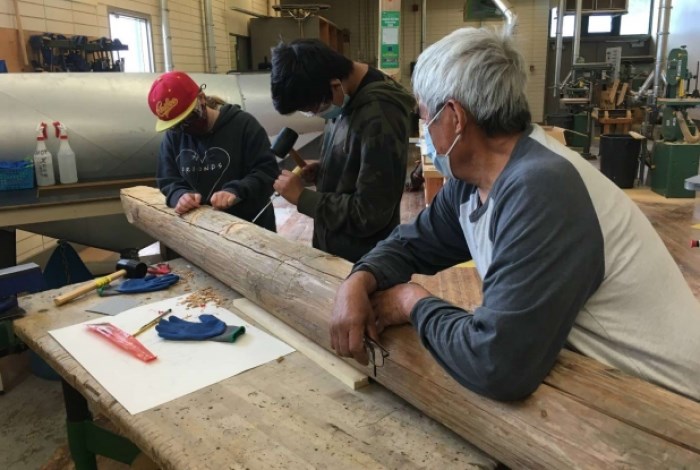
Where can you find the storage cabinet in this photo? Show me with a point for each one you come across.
(265, 33)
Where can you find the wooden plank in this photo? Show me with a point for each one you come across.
(550, 429)
(331, 363)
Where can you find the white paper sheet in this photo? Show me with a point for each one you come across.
(182, 367)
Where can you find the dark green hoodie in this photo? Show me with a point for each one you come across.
(362, 171)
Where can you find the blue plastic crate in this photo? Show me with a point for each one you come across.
(16, 175)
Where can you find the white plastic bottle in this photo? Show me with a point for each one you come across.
(67, 169)
(43, 160)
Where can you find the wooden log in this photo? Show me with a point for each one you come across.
(562, 425)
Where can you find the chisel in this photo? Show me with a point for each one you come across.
(297, 171)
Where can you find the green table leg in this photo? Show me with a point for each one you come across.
(87, 440)
(77, 414)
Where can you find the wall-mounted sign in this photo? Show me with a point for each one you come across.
(390, 21)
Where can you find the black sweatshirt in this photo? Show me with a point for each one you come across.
(234, 157)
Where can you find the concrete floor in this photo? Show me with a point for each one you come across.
(33, 424)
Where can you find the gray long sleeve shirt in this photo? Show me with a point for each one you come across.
(566, 258)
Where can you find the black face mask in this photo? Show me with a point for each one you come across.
(197, 123)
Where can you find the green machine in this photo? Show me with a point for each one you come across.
(677, 72)
(677, 155)
(581, 91)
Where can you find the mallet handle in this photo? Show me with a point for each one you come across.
(297, 158)
(87, 287)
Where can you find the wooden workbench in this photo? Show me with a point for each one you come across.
(287, 414)
(434, 180)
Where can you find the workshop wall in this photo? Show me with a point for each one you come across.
(237, 22)
(445, 16)
(90, 18)
(361, 18)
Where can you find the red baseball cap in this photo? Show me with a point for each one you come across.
(172, 98)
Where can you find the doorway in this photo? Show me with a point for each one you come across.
(240, 53)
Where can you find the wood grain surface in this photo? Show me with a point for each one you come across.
(288, 414)
(555, 428)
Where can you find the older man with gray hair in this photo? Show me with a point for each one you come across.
(566, 258)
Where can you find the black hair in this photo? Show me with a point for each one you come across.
(301, 74)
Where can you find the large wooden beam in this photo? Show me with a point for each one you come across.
(583, 416)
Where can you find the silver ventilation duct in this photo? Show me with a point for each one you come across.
(112, 132)
(165, 31)
(209, 35)
(507, 9)
(560, 46)
(576, 51)
(664, 19)
(110, 126)
(423, 24)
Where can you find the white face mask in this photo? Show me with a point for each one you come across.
(441, 161)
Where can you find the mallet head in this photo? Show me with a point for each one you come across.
(133, 268)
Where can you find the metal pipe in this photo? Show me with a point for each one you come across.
(664, 17)
(507, 10)
(250, 12)
(423, 23)
(560, 46)
(211, 39)
(165, 29)
(646, 84)
(577, 32)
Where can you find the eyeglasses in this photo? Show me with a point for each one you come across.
(377, 361)
(436, 115)
(322, 108)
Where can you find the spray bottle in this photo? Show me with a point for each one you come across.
(67, 169)
(43, 160)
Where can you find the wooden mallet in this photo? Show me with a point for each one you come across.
(125, 268)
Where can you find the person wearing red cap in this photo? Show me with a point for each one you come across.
(216, 156)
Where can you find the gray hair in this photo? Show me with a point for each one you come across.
(482, 69)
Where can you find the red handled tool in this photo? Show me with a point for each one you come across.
(123, 340)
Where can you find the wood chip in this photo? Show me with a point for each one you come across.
(200, 298)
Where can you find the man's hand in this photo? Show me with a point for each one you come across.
(187, 202)
(394, 306)
(289, 186)
(353, 317)
(310, 172)
(222, 200)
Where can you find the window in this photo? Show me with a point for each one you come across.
(568, 27)
(637, 19)
(600, 24)
(135, 32)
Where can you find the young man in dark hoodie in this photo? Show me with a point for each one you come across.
(361, 173)
(217, 156)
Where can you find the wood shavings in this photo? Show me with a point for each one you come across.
(200, 298)
(185, 278)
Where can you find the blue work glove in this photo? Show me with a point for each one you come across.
(177, 329)
(149, 283)
(208, 328)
